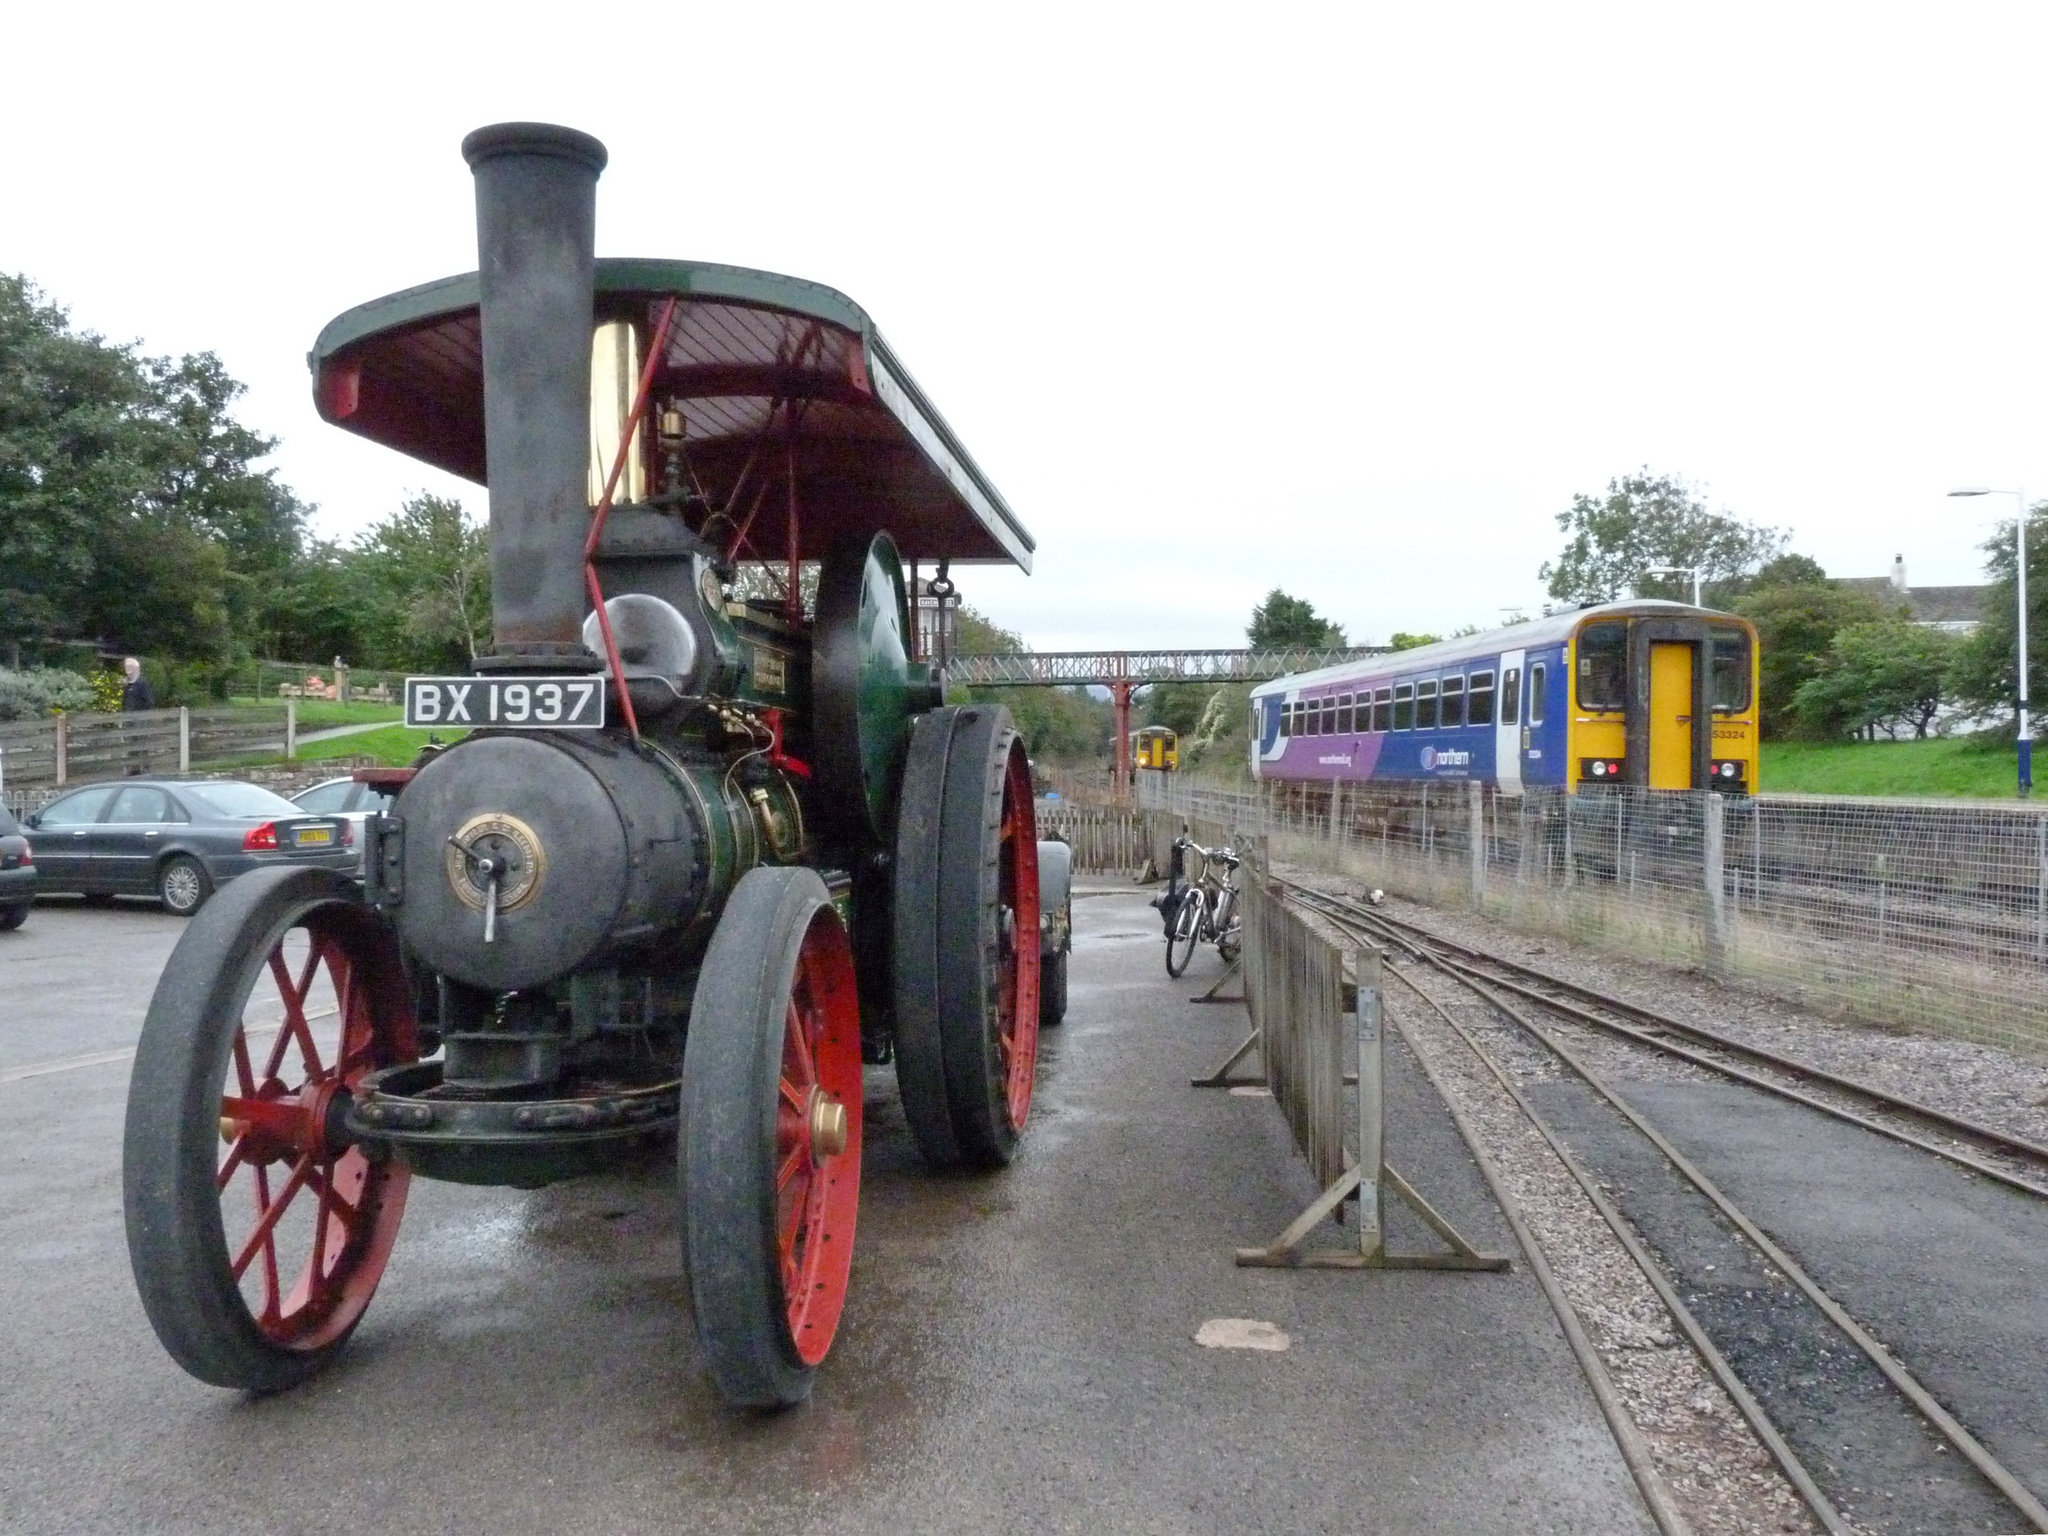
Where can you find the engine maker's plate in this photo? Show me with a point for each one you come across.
(515, 851)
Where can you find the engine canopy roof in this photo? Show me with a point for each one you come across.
(871, 453)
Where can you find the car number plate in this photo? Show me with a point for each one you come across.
(306, 837)
(524, 703)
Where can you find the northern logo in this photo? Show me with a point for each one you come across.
(1434, 758)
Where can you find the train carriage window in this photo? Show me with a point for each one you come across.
(1425, 705)
(1344, 715)
(1452, 710)
(1314, 709)
(1511, 696)
(1382, 708)
(1479, 699)
(1404, 706)
(1330, 714)
(1537, 678)
(1603, 667)
(1730, 672)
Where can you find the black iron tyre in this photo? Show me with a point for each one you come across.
(966, 938)
(214, 1292)
(1187, 932)
(182, 885)
(770, 1141)
(1052, 990)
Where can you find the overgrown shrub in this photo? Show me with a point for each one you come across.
(35, 692)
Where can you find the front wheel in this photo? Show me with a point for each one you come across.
(13, 917)
(771, 1136)
(256, 1230)
(1187, 931)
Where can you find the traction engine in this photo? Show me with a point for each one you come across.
(707, 843)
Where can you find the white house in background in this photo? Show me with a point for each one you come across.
(1956, 609)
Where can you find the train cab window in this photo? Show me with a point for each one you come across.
(1730, 672)
(1425, 705)
(1453, 707)
(1511, 696)
(1344, 715)
(1603, 667)
(1382, 708)
(1537, 678)
(1479, 699)
(1404, 707)
(1286, 720)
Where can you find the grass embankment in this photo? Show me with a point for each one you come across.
(1945, 767)
(318, 714)
(393, 746)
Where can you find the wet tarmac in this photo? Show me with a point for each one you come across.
(1019, 1352)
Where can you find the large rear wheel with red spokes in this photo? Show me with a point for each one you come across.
(257, 1230)
(771, 1136)
(966, 957)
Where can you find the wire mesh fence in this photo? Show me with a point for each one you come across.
(1929, 915)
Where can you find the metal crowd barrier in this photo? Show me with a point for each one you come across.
(1316, 1024)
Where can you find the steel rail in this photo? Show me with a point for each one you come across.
(2017, 1493)
(1999, 1141)
(1710, 1355)
(1628, 1435)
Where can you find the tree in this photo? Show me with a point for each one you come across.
(1986, 669)
(1290, 623)
(1796, 627)
(1401, 640)
(424, 576)
(1648, 520)
(1890, 675)
(130, 514)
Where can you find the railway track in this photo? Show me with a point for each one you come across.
(1528, 1000)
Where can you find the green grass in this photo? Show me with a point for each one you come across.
(394, 746)
(318, 714)
(1956, 766)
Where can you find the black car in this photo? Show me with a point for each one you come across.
(17, 873)
(178, 841)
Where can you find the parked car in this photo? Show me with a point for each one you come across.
(179, 841)
(349, 798)
(17, 873)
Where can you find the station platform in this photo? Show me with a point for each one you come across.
(1019, 1353)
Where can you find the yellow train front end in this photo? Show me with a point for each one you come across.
(1663, 696)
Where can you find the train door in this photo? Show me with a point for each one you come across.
(1507, 730)
(1671, 714)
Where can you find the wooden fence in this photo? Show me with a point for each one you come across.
(76, 749)
(1108, 840)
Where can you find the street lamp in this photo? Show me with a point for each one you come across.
(2026, 742)
(1678, 570)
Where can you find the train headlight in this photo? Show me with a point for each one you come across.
(1728, 773)
(1601, 770)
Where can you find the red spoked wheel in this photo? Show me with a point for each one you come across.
(966, 958)
(257, 1229)
(771, 1137)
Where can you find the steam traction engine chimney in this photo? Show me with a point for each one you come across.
(536, 239)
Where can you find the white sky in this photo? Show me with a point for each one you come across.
(1350, 299)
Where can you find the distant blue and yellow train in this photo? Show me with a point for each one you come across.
(1647, 693)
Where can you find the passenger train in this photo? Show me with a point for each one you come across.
(1616, 693)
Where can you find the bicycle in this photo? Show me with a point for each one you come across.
(1204, 908)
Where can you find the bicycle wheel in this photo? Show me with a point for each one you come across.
(1187, 930)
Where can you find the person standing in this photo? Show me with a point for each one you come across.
(136, 694)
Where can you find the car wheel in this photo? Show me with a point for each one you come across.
(13, 917)
(182, 885)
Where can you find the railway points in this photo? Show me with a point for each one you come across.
(1909, 1223)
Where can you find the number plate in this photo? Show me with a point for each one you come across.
(307, 837)
(523, 703)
